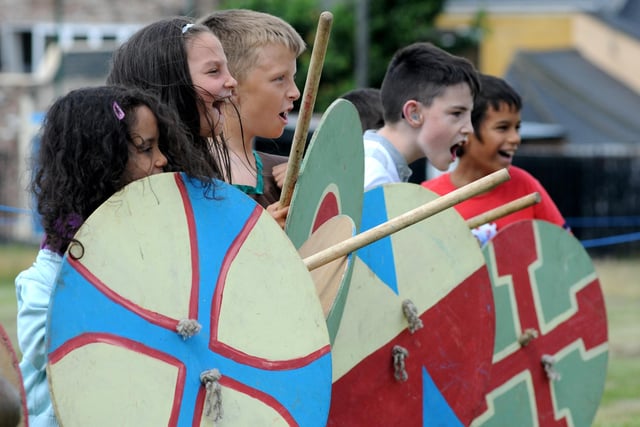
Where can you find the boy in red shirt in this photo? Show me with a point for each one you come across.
(491, 147)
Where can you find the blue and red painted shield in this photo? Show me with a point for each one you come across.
(438, 266)
(330, 182)
(160, 253)
(549, 305)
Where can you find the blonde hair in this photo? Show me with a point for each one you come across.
(243, 33)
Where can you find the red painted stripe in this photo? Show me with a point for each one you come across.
(151, 316)
(225, 350)
(93, 338)
(193, 242)
(328, 208)
(230, 256)
(262, 363)
(230, 383)
(257, 394)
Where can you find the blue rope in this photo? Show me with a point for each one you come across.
(585, 222)
(611, 240)
(604, 221)
(11, 209)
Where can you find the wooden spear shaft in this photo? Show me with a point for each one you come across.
(406, 219)
(306, 106)
(504, 210)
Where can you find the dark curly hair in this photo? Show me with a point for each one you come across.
(155, 59)
(84, 149)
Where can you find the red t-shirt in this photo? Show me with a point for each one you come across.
(520, 184)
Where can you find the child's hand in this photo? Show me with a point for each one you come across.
(278, 213)
(279, 172)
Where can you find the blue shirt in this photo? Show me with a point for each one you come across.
(33, 292)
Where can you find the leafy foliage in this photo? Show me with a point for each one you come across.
(392, 24)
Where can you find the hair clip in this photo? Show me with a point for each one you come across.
(119, 113)
(186, 27)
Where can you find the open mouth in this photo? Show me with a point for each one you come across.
(454, 150)
(284, 115)
(506, 154)
(217, 105)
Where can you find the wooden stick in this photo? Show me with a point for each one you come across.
(504, 210)
(306, 107)
(406, 219)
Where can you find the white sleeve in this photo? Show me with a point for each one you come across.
(375, 173)
(33, 292)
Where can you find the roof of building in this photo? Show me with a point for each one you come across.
(562, 87)
(523, 6)
(84, 63)
(625, 19)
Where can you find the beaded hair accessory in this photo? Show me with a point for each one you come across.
(186, 27)
(117, 111)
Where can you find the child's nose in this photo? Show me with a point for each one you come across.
(161, 161)
(294, 92)
(514, 137)
(467, 128)
(230, 82)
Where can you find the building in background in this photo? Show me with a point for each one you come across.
(577, 66)
(46, 49)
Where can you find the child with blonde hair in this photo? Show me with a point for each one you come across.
(262, 50)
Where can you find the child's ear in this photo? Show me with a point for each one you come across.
(411, 112)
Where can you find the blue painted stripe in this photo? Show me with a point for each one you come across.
(379, 255)
(436, 412)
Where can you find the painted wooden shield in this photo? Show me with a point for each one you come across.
(330, 182)
(10, 372)
(383, 373)
(551, 351)
(330, 278)
(161, 256)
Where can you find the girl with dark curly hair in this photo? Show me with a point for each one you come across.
(94, 142)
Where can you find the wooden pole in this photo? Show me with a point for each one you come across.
(406, 219)
(504, 210)
(306, 106)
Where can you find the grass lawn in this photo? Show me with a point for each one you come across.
(620, 280)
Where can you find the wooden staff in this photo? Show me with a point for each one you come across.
(306, 107)
(406, 219)
(504, 210)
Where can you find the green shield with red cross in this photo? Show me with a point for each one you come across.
(431, 273)
(184, 308)
(330, 183)
(550, 353)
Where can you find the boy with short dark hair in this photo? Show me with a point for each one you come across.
(369, 105)
(427, 97)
